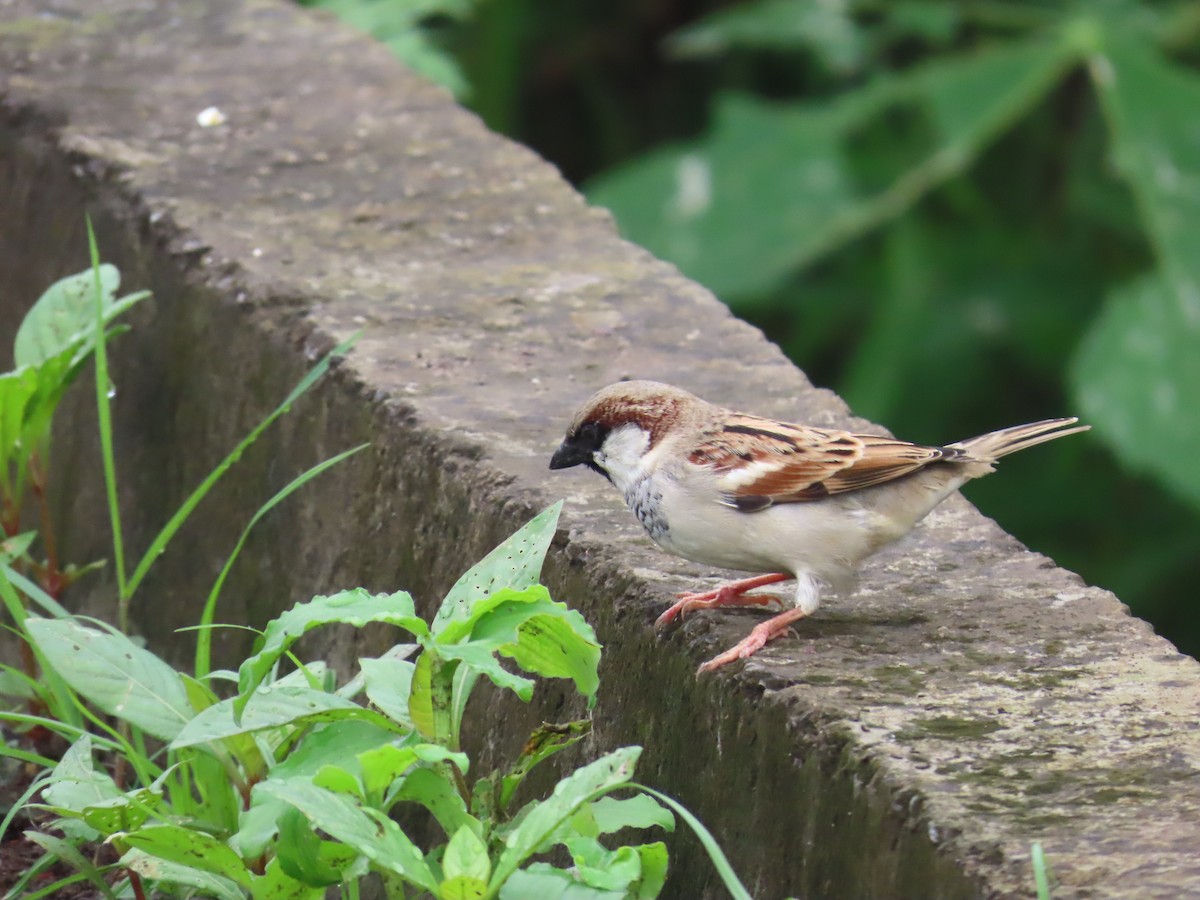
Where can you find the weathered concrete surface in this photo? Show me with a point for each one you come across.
(911, 741)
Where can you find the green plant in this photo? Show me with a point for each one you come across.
(1041, 870)
(56, 339)
(288, 786)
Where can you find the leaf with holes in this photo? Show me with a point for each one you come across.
(515, 564)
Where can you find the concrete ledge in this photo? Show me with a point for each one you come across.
(911, 741)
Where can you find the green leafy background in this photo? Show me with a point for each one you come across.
(957, 215)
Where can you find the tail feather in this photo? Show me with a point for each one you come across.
(995, 444)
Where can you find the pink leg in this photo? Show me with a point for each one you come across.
(732, 594)
(758, 638)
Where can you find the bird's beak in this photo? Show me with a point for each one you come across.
(568, 455)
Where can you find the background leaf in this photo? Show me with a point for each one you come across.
(115, 674)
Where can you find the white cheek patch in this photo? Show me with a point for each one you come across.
(623, 453)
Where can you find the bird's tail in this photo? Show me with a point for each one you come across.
(993, 445)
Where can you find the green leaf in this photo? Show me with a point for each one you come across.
(273, 708)
(354, 607)
(434, 789)
(544, 742)
(61, 315)
(333, 744)
(276, 884)
(545, 882)
(515, 564)
(156, 869)
(480, 656)
(388, 685)
(599, 867)
(640, 811)
(1135, 373)
(772, 188)
(654, 870)
(383, 765)
(467, 856)
(191, 848)
(368, 831)
(541, 635)
(828, 30)
(17, 389)
(307, 858)
(75, 784)
(540, 820)
(115, 674)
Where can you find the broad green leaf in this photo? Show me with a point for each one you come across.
(337, 743)
(540, 634)
(276, 884)
(515, 564)
(545, 882)
(273, 708)
(115, 674)
(462, 887)
(388, 685)
(599, 867)
(17, 388)
(75, 783)
(340, 781)
(1134, 377)
(640, 811)
(558, 646)
(433, 789)
(190, 847)
(354, 607)
(156, 869)
(828, 30)
(771, 188)
(129, 811)
(368, 831)
(383, 765)
(467, 856)
(541, 819)
(654, 870)
(1136, 372)
(480, 656)
(305, 857)
(61, 314)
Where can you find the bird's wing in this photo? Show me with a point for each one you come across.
(761, 462)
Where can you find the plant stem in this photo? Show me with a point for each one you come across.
(52, 577)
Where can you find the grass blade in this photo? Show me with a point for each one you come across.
(163, 538)
(204, 639)
(732, 884)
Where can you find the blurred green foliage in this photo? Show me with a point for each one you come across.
(959, 214)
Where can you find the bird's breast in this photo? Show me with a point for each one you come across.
(645, 500)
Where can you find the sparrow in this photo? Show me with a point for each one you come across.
(753, 494)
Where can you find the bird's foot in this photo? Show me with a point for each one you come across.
(732, 594)
(755, 641)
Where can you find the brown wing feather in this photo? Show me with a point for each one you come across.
(797, 463)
